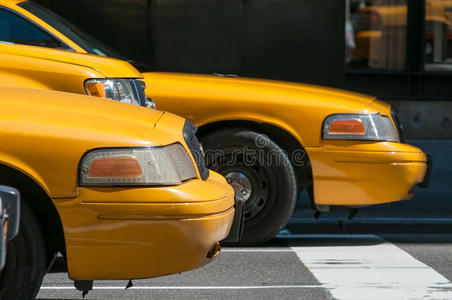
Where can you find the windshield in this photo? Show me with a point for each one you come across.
(88, 43)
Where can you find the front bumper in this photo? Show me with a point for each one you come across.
(126, 233)
(365, 173)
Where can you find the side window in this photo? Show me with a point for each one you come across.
(14, 29)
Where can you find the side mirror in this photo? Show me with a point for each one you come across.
(9, 218)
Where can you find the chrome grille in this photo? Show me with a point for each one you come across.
(195, 148)
(399, 125)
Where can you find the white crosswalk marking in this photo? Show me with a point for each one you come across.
(369, 269)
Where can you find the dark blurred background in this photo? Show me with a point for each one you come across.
(397, 50)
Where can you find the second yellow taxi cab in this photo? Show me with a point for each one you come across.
(270, 139)
(121, 190)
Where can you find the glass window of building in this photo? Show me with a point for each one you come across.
(375, 34)
(438, 35)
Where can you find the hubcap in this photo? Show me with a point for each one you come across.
(240, 183)
(251, 182)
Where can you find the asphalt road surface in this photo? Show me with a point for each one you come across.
(298, 267)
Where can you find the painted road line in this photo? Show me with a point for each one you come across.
(238, 287)
(368, 267)
(371, 220)
(325, 237)
(257, 250)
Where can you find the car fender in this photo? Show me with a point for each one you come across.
(250, 117)
(24, 168)
(297, 108)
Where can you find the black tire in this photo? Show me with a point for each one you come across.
(270, 174)
(25, 260)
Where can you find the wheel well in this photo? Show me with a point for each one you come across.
(42, 206)
(280, 136)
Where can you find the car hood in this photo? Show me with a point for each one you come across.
(249, 87)
(98, 122)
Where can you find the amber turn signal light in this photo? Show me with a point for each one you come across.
(96, 88)
(116, 167)
(355, 127)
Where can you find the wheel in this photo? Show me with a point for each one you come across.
(261, 171)
(22, 275)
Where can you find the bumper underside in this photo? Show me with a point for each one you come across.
(364, 174)
(127, 233)
(239, 220)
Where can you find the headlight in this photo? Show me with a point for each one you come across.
(123, 90)
(374, 127)
(169, 165)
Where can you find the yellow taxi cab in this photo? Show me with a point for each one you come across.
(121, 190)
(270, 139)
